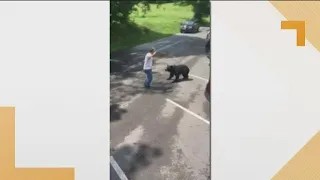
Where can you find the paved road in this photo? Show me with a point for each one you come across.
(162, 133)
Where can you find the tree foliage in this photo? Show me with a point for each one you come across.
(201, 8)
(120, 10)
(123, 30)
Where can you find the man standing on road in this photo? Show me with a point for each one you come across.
(147, 67)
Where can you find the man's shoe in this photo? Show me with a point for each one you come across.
(147, 87)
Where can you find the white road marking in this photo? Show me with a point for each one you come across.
(198, 77)
(188, 111)
(133, 138)
(117, 168)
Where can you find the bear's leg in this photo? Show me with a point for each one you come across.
(177, 77)
(185, 76)
(171, 75)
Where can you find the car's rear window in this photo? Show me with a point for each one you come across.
(188, 22)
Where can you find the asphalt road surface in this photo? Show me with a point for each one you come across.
(162, 133)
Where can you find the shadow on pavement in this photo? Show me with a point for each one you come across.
(123, 89)
(133, 158)
(116, 112)
(206, 108)
(181, 80)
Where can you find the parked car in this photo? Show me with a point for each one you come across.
(207, 91)
(208, 35)
(208, 48)
(189, 26)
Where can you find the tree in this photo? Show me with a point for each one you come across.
(120, 11)
(201, 8)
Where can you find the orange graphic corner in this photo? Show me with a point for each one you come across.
(308, 11)
(300, 28)
(304, 165)
(8, 171)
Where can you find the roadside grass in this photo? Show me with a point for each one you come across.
(205, 21)
(158, 23)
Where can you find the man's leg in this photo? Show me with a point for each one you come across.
(150, 77)
(146, 80)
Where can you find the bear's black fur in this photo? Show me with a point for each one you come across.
(177, 70)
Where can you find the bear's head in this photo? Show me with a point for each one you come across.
(169, 68)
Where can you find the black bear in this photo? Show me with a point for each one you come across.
(177, 70)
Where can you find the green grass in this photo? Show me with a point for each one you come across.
(206, 21)
(156, 24)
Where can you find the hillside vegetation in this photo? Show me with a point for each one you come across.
(146, 22)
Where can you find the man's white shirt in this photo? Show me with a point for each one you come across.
(147, 61)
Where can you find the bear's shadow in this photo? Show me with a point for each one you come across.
(181, 80)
